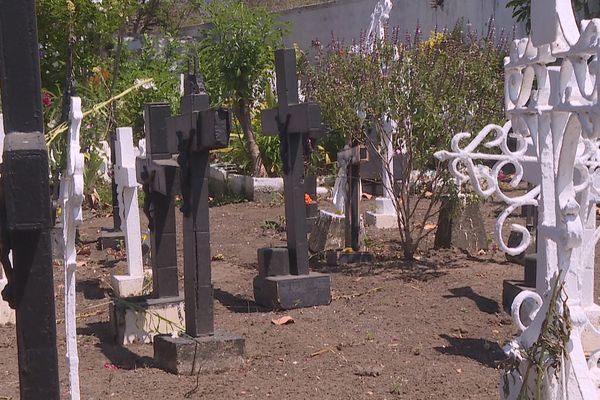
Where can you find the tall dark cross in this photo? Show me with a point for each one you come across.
(158, 173)
(353, 157)
(297, 124)
(25, 216)
(198, 130)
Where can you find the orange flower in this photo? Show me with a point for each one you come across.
(307, 198)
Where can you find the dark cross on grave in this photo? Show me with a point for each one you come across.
(353, 157)
(297, 124)
(158, 174)
(26, 210)
(284, 279)
(198, 130)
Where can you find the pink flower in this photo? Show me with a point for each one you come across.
(46, 99)
(502, 177)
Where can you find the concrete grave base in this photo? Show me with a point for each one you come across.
(188, 356)
(327, 233)
(333, 257)
(127, 286)
(255, 189)
(7, 314)
(590, 339)
(110, 239)
(468, 231)
(286, 292)
(139, 319)
(381, 221)
(384, 216)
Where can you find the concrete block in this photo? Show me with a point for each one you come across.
(328, 233)
(189, 356)
(381, 221)
(111, 239)
(218, 180)
(334, 257)
(139, 319)
(292, 291)
(255, 189)
(468, 231)
(589, 338)
(127, 286)
(273, 261)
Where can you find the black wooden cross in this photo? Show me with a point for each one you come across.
(25, 184)
(198, 130)
(353, 157)
(158, 173)
(296, 124)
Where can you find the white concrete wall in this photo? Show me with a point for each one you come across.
(346, 19)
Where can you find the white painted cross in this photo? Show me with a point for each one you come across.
(125, 179)
(552, 103)
(71, 196)
(7, 315)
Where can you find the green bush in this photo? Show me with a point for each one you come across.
(449, 83)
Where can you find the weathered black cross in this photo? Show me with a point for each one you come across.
(353, 157)
(296, 124)
(26, 218)
(284, 279)
(158, 173)
(198, 130)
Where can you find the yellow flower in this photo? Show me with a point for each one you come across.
(434, 40)
(71, 7)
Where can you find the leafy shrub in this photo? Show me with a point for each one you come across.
(435, 88)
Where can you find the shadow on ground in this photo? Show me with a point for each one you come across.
(119, 357)
(485, 304)
(483, 351)
(92, 289)
(238, 304)
(411, 270)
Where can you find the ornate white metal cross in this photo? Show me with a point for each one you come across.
(551, 98)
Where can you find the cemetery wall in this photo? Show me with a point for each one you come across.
(347, 18)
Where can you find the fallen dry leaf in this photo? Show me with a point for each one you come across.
(218, 257)
(283, 320)
(367, 196)
(429, 227)
(81, 264)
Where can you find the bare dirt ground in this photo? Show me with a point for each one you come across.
(428, 329)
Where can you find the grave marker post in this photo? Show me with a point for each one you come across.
(198, 130)
(352, 157)
(158, 173)
(71, 197)
(284, 279)
(125, 178)
(28, 206)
